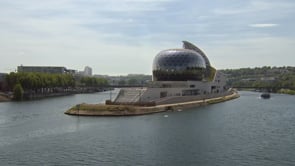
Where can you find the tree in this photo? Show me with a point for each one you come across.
(18, 92)
(122, 82)
(132, 81)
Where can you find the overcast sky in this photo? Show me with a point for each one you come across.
(122, 36)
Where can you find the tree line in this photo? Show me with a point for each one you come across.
(34, 81)
(30, 82)
(93, 82)
(275, 78)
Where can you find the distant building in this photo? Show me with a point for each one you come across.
(87, 71)
(46, 69)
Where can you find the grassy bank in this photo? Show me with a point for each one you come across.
(103, 107)
(110, 110)
(287, 91)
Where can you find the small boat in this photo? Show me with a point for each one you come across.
(265, 95)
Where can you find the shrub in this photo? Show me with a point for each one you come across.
(18, 92)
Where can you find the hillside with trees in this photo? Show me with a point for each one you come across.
(275, 79)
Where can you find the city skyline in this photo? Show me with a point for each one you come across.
(122, 37)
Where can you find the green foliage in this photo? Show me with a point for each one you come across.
(18, 92)
(30, 81)
(94, 82)
(102, 108)
(132, 81)
(273, 78)
(122, 82)
(287, 91)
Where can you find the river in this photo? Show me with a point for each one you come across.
(244, 131)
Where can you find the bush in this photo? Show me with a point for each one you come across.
(287, 91)
(18, 92)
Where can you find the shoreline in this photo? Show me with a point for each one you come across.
(130, 110)
(4, 97)
(38, 96)
(280, 91)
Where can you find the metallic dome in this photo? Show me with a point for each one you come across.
(178, 65)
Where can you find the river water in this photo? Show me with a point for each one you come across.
(244, 131)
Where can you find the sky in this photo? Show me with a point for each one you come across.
(118, 37)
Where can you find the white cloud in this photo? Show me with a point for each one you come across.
(263, 25)
(256, 6)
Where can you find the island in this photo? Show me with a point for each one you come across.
(182, 78)
(130, 110)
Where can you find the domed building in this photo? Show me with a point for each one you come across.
(179, 75)
(178, 65)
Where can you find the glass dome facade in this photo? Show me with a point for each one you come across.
(178, 65)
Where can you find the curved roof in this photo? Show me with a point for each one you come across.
(178, 59)
(178, 65)
(190, 46)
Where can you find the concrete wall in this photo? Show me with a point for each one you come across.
(176, 88)
(166, 91)
(181, 99)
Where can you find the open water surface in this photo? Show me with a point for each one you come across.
(244, 131)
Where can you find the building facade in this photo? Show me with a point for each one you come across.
(46, 69)
(179, 75)
(87, 71)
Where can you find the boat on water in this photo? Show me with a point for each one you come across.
(265, 95)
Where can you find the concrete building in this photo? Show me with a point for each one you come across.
(45, 69)
(87, 71)
(179, 75)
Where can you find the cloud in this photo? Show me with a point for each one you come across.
(256, 6)
(95, 32)
(262, 25)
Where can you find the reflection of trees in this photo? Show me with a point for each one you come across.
(179, 75)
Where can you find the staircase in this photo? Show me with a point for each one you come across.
(129, 95)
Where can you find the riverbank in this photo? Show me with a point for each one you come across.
(4, 97)
(56, 92)
(286, 91)
(31, 95)
(280, 91)
(130, 110)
